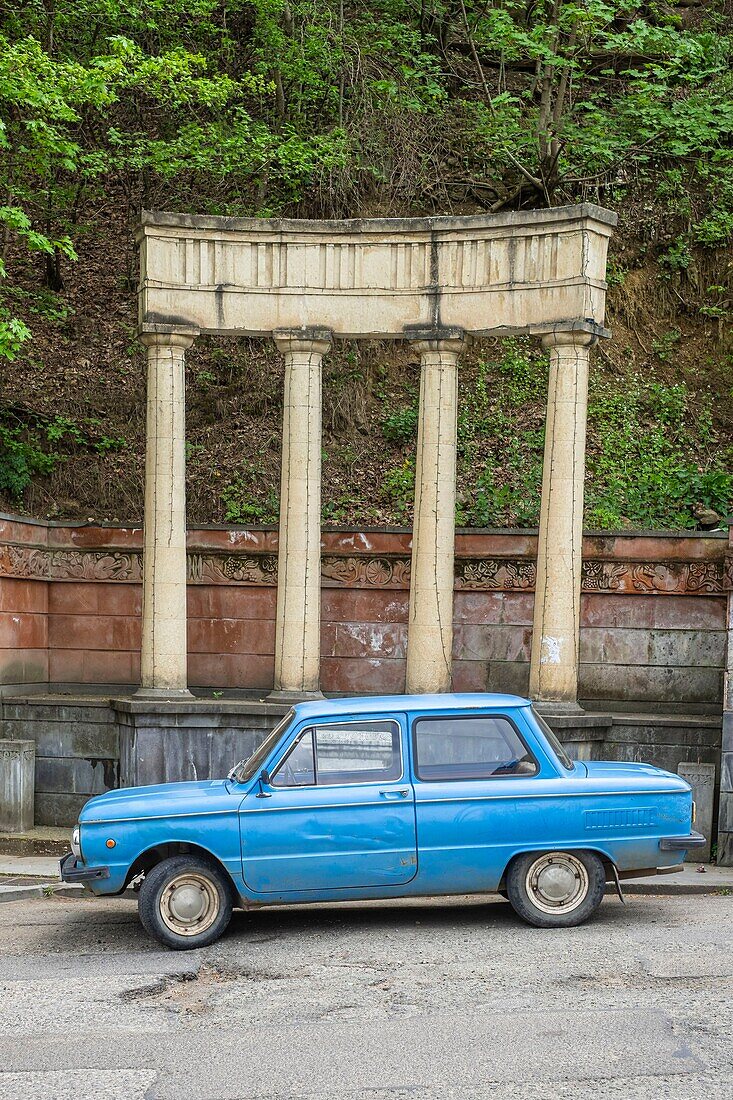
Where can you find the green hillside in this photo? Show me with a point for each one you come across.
(341, 109)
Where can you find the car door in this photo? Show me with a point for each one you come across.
(480, 794)
(338, 812)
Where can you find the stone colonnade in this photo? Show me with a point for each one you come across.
(554, 657)
(434, 282)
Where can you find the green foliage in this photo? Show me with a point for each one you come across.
(246, 502)
(268, 107)
(677, 258)
(499, 455)
(652, 456)
(398, 489)
(20, 460)
(665, 345)
(36, 446)
(337, 510)
(400, 426)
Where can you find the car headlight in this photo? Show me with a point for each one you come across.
(76, 841)
(694, 812)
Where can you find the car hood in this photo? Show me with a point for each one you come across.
(616, 769)
(161, 800)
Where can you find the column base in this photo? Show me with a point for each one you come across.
(281, 696)
(163, 694)
(559, 708)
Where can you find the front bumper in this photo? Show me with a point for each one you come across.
(71, 871)
(682, 843)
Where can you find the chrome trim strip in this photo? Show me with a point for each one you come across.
(536, 794)
(327, 805)
(157, 817)
(437, 801)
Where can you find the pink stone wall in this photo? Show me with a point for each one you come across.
(653, 611)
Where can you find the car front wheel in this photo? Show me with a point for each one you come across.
(185, 902)
(556, 889)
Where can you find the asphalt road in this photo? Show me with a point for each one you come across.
(435, 999)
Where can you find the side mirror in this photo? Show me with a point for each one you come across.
(264, 780)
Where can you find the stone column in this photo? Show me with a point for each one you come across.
(430, 624)
(298, 616)
(163, 659)
(725, 821)
(553, 678)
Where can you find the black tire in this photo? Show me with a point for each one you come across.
(168, 902)
(556, 889)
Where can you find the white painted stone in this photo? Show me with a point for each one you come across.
(163, 656)
(430, 629)
(298, 615)
(556, 630)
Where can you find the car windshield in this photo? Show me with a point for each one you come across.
(555, 744)
(246, 769)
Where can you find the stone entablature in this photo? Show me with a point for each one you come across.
(527, 272)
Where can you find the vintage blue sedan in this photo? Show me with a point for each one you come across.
(401, 796)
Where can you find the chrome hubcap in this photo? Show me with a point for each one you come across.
(189, 904)
(557, 882)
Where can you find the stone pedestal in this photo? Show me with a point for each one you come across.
(164, 649)
(298, 615)
(177, 741)
(583, 736)
(17, 779)
(430, 622)
(701, 778)
(553, 676)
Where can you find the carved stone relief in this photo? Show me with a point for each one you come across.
(689, 578)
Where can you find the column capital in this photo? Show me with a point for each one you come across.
(569, 338)
(309, 339)
(163, 336)
(437, 339)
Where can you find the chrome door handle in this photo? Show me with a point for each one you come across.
(401, 792)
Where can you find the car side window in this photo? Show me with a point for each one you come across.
(479, 747)
(342, 752)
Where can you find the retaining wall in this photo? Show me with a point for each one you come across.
(653, 611)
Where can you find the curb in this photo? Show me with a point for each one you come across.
(676, 889)
(40, 890)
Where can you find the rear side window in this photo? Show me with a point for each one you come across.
(480, 747)
(342, 752)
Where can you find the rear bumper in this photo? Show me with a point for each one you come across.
(682, 843)
(71, 871)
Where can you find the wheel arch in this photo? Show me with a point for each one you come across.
(156, 853)
(605, 857)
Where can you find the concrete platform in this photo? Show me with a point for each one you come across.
(41, 841)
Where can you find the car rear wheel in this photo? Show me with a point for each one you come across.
(556, 889)
(185, 902)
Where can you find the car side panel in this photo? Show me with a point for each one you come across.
(466, 839)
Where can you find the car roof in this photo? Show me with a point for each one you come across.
(378, 704)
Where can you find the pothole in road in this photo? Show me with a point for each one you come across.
(190, 990)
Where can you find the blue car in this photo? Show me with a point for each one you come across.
(398, 796)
